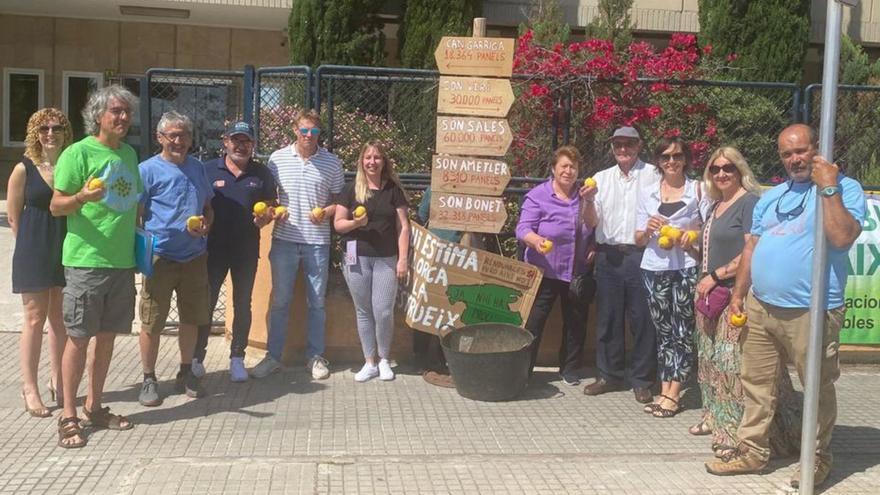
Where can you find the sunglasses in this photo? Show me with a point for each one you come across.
(797, 210)
(54, 128)
(671, 157)
(314, 131)
(728, 168)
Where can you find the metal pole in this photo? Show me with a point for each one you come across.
(820, 253)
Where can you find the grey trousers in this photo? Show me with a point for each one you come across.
(373, 286)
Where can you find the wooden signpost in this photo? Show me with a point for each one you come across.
(473, 136)
(475, 56)
(468, 175)
(468, 213)
(474, 96)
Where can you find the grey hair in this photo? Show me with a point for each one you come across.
(172, 117)
(99, 101)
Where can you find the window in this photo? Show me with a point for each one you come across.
(22, 96)
(76, 89)
(133, 84)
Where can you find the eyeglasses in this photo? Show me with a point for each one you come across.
(54, 128)
(728, 168)
(118, 111)
(175, 137)
(797, 210)
(305, 131)
(671, 157)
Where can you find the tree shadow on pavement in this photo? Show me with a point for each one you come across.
(222, 396)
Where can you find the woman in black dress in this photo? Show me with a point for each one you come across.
(37, 273)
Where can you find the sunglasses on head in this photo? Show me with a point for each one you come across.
(314, 131)
(728, 168)
(54, 128)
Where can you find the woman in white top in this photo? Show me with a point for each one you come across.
(667, 221)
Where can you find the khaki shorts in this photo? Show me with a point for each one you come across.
(189, 280)
(98, 300)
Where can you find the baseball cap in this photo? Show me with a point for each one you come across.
(240, 128)
(625, 132)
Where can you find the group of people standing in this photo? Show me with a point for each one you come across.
(76, 209)
(709, 276)
(672, 257)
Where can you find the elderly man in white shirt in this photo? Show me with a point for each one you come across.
(620, 288)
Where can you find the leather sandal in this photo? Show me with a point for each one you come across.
(69, 428)
(38, 412)
(102, 418)
(662, 412)
(700, 429)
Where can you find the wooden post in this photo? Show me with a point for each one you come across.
(479, 27)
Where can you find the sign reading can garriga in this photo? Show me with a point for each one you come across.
(451, 285)
(475, 56)
(468, 175)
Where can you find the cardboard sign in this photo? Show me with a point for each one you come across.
(473, 136)
(467, 213)
(468, 175)
(474, 96)
(451, 285)
(475, 56)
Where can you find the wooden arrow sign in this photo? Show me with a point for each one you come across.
(475, 56)
(474, 96)
(473, 136)
(468, 175)
(467, 213)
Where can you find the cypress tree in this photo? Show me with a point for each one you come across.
(547, 22)
(346, 32)
(769, 37)
(426, 21)
(613, 22)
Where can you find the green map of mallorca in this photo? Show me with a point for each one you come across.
(486, 303)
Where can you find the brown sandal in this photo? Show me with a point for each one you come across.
(662, 412)
(69, 428)
(102, 418)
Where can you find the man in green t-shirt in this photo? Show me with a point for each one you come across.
(96, 187)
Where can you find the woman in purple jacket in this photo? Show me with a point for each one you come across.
(551, 225)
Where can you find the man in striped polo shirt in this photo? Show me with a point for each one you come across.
(308, 177)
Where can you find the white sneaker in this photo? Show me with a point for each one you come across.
(368, 372)
(198, 368)
(237, 373)
(318, 366)
(385, 371)
(265, 367)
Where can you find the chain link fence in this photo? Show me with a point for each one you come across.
(279, 93)
(857, 133)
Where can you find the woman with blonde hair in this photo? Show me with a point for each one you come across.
(37, 273)
(372, 216)
(733, 192)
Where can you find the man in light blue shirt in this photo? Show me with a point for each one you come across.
(776, 263)
(176, 210)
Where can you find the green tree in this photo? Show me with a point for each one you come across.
(769, 37)
(426, 21)
(855, 67)
(346, 32)
(547, 22)
(613, 23)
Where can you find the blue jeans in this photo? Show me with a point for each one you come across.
(284, 258)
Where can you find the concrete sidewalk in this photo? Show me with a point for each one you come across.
(289, 434)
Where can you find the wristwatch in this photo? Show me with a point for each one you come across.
(829, 191)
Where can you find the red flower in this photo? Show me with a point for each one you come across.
(674, 132)
(731, 57)
(707, 49)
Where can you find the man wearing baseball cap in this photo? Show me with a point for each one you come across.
(620, 290)
(239, 182)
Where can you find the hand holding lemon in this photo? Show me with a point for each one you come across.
(318, 213)
(546, 246)
(96, 183)
(590, 182)
(359, 212)
(194, 224)
(260, 208)
(738, 319)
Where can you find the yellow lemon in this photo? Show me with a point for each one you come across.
(360, 211)
(665, 242)
(260, 208)
(692, 236)
(590, 182)
(193, 222)
(674, 234)
(664, 230)
(280, 210)
(318, 212)
(738, 320)
(546, 246)
(96, 183)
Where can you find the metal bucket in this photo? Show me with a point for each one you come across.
(488, 361)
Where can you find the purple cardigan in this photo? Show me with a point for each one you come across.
(553, 218)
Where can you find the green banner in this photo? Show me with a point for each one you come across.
(862, 325)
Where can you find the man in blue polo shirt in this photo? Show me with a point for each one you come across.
(176, 210)
(234, 244)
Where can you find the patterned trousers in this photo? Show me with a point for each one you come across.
(671, 305)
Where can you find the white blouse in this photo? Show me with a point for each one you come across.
(689, 217)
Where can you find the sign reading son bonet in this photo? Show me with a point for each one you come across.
(467, 213)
